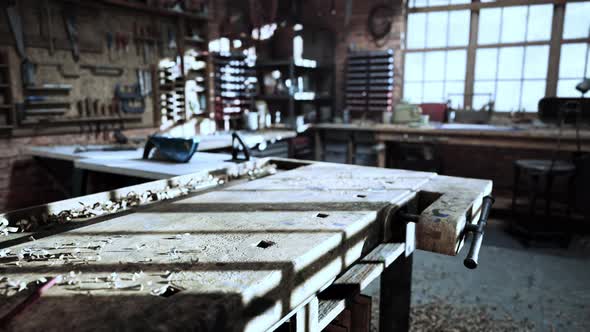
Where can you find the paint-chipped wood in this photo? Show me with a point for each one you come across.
(329, 309)
(198, 261)
(441, 225)
(385, 253)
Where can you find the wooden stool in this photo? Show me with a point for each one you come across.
(548, 169)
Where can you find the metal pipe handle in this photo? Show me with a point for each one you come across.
(477, 230)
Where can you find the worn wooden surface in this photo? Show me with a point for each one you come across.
(239, 258)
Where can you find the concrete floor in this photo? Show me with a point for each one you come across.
(515, 288)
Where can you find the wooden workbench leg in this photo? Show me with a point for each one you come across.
(307, 318)
(318, 144)
(79, 179)
(381, 154)
(395, 295)
(350, 150)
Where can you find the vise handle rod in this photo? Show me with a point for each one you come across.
(477, 230)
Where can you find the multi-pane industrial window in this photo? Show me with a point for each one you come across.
(574, 57)
(513, 77)
(512, 52)
(437, 56)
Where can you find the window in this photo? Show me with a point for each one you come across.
(512, 50)
(432, 3)
(514, 77)
(577, 20)
(574, 56)
(436, 58)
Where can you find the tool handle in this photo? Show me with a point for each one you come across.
(470, 261)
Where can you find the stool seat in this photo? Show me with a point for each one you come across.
(545, 166)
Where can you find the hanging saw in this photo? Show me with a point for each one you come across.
(71, 25)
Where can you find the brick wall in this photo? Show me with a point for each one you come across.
(356, 34)
(25, 182)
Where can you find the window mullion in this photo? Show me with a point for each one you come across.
(471, 50)
(555, 50)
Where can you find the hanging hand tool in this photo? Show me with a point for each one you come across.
(146, 50)
(72, 30)
(15, 22)
(98, 70)
(130, 98)
(110, 45)
(48, 27)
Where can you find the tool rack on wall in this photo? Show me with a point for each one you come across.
(369, 82)
(234, 86)
(50, 103)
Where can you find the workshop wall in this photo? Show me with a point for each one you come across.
(58, 66)
(355, 35)
(23, 181)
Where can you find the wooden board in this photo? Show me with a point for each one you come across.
(240, 258)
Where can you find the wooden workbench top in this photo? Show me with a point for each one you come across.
(471, 134)
(461, 130)
(233, 259)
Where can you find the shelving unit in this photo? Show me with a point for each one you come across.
(234, 86)
(7, 114)
(318, 93)
(369, 82)
(174, 100)
(171, 97)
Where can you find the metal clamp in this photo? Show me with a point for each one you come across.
(477, 230)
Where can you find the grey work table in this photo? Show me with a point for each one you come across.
(154, 169)
(130, 163)
(208, 143)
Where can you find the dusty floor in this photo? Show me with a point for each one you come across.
(514, 289)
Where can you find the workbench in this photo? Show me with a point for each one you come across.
(232, 254)
(128, 161)
(460, 134)
(469, 150)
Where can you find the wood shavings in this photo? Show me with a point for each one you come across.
(137, 275)
(16, 285)
(5, 229)
(97, 209)
(181, 236)
(263, 171)
(159, 290)
(4, 252)
(173, 253)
